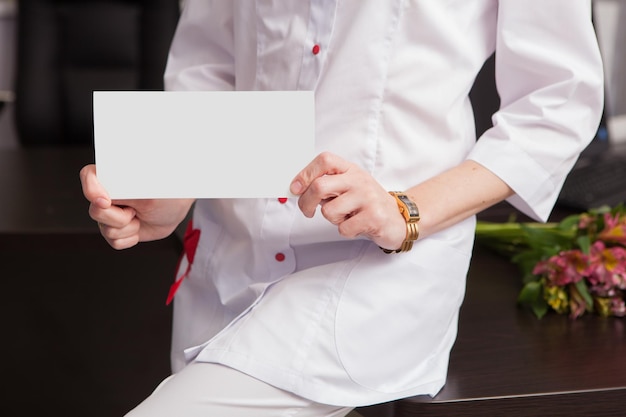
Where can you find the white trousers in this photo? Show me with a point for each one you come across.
(213, 390)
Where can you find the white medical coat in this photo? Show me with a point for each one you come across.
(284, 298)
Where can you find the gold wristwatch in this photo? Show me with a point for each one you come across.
(411, 214)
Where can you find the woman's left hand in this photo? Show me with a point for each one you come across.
(351, 199)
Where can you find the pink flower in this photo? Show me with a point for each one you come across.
(607, 269)
(614, 229)
(565, 268)
(585, 221)
(590, 276)
(618, 308)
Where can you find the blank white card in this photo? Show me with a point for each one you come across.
(202, 144)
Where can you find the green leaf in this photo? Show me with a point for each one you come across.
(540, 309)
(570, 222)
(581, 286)
(526, 262)
(531, 295)
(584, 242)
(606, 209)
(550, 237)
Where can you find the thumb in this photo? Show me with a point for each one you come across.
(325, 163)
(93, 191)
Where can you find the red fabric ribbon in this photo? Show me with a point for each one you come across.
(190, 244)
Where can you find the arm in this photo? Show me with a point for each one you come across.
(354, 201)
(550, 80)
(549, 75)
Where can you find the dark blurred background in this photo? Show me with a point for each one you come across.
(86, 331)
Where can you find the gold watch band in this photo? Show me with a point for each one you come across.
(410, 212)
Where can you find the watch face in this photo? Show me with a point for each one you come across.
(413, 211)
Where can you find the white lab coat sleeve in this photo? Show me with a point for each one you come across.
(201, 54)
(550, 79)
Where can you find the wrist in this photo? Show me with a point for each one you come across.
(410, 213)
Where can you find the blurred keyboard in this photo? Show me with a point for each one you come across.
(601, 182)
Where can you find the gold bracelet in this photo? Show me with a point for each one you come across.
(411, 215)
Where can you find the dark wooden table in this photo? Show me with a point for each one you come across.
(507, 362)
(86, 331)
(40, 190)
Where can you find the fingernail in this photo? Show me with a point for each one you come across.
(102, 202)
(296, 187)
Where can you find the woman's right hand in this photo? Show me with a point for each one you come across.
(124, 223)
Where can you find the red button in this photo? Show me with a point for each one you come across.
(316, 49)
(280, 257)
(282, 200)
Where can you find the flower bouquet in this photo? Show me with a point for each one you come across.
(575, 266)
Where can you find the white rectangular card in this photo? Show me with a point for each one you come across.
(202, 144)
